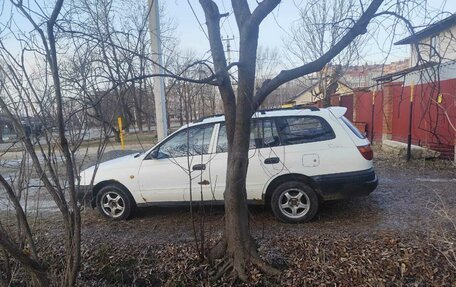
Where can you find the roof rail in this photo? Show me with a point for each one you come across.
(263, 111)
(208, 117)
(297, 107)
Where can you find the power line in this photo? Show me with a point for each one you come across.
(227, 20)
(194, 13)
(222, 26)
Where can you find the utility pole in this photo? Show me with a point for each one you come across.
(228, 47)
(159, 83)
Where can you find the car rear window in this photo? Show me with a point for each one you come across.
(298, 130)
(352, 128)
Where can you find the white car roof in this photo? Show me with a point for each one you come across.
(336, 111)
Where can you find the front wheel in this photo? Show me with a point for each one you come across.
(114, 202)
(294, 202)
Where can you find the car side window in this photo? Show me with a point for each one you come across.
(191, 141)
(263, 133)
(297, 130)
(222, 141)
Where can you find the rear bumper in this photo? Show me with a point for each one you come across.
(346, 185)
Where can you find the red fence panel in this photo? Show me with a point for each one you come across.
(347, 101)
(363, 112)
(433, 122)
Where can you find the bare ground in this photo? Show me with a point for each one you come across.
(394, 237)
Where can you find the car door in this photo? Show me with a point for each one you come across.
(268, 160)
(177, 166)
(265, 159)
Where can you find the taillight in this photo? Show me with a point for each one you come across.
(366, 151)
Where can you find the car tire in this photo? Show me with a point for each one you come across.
(115, 202)
(294, 202)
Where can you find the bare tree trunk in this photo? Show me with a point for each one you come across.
(237, 233)
(73, 222)
(181, 108)
(139, 110)
(237, 246)
(213, 103)
(2, 126)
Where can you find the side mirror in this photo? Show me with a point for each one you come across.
(153, 154)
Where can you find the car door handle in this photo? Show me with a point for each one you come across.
(200, 166)
(272, 160)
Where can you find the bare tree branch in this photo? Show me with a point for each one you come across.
(263, 9)
(359, 28)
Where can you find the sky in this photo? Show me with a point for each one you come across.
(189, 17)
(274, 30)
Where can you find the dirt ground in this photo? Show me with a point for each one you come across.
(400, 235)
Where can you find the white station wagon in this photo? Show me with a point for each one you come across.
(298, 158)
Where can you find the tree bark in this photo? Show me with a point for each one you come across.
(73, 222)
(237, 245)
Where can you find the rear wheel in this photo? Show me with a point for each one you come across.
(114, 202)
(294, 202)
